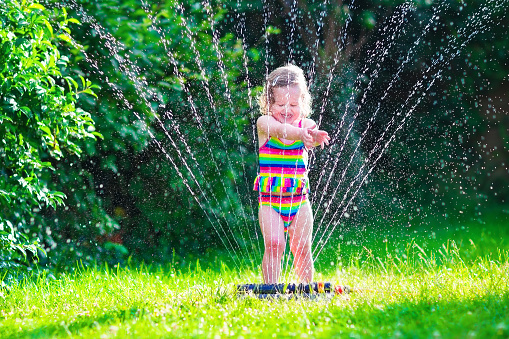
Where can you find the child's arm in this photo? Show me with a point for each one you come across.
(268, 126)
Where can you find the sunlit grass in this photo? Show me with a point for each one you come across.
(418, 293)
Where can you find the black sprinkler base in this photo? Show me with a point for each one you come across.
(289, 291)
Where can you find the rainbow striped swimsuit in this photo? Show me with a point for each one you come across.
(283, 169)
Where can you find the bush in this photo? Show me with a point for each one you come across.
(40, 122)
(152, 106)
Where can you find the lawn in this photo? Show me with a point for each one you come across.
(452, 285)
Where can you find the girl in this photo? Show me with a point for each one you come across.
(285, 135)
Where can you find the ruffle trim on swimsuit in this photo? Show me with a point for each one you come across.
(278, 184)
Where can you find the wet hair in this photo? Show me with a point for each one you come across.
(285, 76)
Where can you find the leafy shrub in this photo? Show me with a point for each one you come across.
(40, 121)
(152, 94)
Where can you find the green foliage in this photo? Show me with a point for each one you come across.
(449, 158)
(171, 125)
(40, 122)
(176, 165)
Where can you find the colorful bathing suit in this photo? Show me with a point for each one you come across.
(286, 206)
(283, 169)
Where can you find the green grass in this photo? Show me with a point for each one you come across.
(454, 287)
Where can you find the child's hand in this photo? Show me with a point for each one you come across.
(307, 138)
(319, 137)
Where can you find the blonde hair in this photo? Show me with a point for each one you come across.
(285, 76)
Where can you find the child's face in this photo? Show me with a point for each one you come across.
(286, 106)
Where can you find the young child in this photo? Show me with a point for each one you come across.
(285, 135)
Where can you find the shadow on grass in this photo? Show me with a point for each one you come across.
(82, 323)
(484, 317)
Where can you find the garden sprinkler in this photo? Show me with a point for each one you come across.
(311, 290)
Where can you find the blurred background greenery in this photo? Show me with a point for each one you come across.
(413, 93)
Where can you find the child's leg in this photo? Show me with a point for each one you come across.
(274, 239)
(300, 232)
